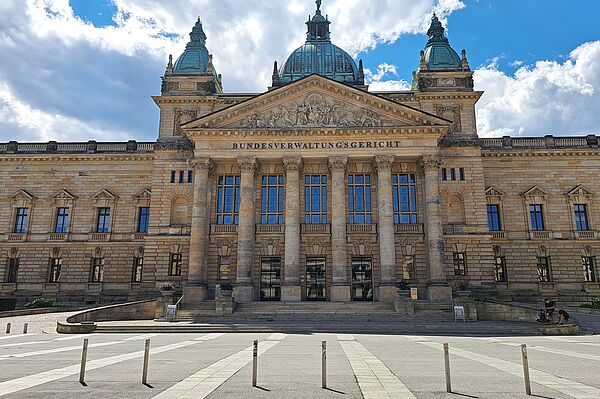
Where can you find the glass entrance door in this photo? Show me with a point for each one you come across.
(270, 279)
(362, 279)
(315, 279)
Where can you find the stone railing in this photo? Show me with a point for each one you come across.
(361, 228)
(316, 228)
(270, 228)
(540, 142)
(498, 234)
(223, 228)
(586, 235)
(58, 236)
(540, 234)
(409, 228)
(89, 147)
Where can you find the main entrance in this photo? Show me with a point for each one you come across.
(362, 279)
(270, 279)
(315, 279)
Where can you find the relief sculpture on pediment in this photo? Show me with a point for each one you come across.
(314, 110)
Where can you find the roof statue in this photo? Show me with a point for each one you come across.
(318, 55)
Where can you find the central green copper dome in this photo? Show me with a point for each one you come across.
(318, 55)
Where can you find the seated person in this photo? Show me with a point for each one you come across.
(563, 316)
(542, 316)
(549, 306)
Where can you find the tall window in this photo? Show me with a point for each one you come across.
(21, 220)
(315, 199)
(581, 217)
(62, 220)
(97, 270)
(12, 270)
(143, 219)
(405, 198)
(175, 262)
(452, 174)
(228, 199)
(103, 220)
(271, 207)
(589, 274)
(460, 263)
(138, 269)
(543, 268)
(54, 273)
(444, 174)
(461, 174)
(359, 199)
(500, 269)
(493, 214)
(536, 213)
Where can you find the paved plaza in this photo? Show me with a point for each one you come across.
(219, 365)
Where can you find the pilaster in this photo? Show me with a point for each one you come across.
(340, 288)
(291, 290)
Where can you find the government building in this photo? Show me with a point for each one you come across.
(315, 190)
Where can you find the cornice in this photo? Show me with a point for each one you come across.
(204, 132)
(475, 95)
(75, 157)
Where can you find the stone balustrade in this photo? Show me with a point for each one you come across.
(53, 147)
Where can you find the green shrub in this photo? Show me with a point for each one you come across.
(596, 303)
(40, 303)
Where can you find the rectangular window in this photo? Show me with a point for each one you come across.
(271, 207)
(181, 177)
(138, 269)
(97, 270)
(54, 273)
(452, 174)
(460, 263)
(143, 219)
(12, 271)
(21, 220)
(175, 261)
(461, 174)
(444, 174)
(228, 199)
(173, 175)
(543, 268)
(536, 213)
(103, 220)
(190, 176)
(589, 273)
(62, 220)
(581, 217)
(224, 268)
(404, 192)
(493, 215)
(359, 199)
(500, 269)
(315, 199)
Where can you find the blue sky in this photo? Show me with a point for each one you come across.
(96, 63)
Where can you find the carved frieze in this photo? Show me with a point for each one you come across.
(451, 112)
(183, 116)
(315, 110)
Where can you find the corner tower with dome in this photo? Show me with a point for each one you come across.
(316, 189)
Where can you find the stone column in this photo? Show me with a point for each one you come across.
(387, 245)
(195, 289)
(438, 289)
(291, 290)
(340, 289)
(243, 290)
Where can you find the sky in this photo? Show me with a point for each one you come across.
(76, 70)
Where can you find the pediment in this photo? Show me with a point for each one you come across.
(63, 194)
(104, 194)
(316, 101)
(22, 195)
(580, 191)
(493, 191)
(535, 191)
(145, 194)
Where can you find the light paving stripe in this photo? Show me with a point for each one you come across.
(140, 337)
(572, 341)
(375, 380)
(33, 380)
(563, 385)
(71, 337)
(205, 381)
(23, 344)
(17, 336)
(556, 351)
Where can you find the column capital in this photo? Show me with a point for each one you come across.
(292, 163)
(383, 162)
(203, 163)
(338, 162)
(430, 161)
(247, 163)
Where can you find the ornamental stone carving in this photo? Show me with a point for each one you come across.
(337, 163)
(431, 161)
(247, 163)
(451, 112)
(292, 163)
(384, 162)
(203, 163)
(314, 110)
(183, 116)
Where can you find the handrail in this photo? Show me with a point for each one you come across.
(177, 303)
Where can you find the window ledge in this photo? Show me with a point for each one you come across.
(409, 228)
(223, 228)
(361, 228)
(321, 228)
(270, 228)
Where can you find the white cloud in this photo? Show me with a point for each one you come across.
(546, 98)
(376, 81)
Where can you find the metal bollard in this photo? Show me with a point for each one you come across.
(146, 358)
(83, 360)
(25, 328)
(8, 328)
(254, 362)
(447, 368)
(324, 364)
(526, 369)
